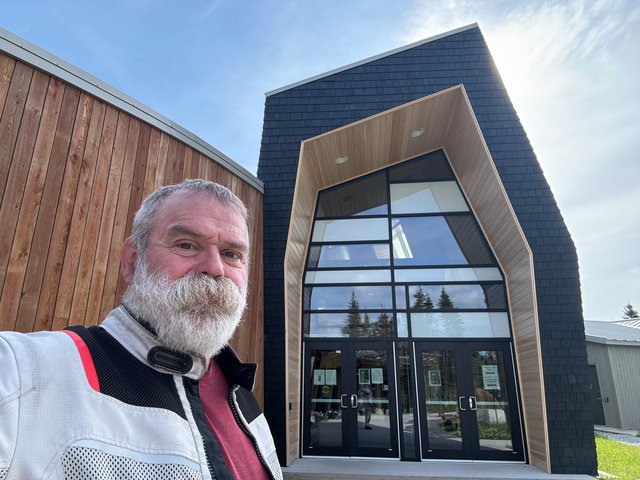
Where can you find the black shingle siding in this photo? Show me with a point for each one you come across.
(344, 97)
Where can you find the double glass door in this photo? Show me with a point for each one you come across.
(467, 403)
(350, 399)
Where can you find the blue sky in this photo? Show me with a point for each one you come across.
(572, 70)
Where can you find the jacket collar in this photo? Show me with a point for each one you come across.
(144, 345)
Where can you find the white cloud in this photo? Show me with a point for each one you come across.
(572, 71)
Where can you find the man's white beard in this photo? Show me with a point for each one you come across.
(196, 314)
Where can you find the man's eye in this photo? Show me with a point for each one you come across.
(186, 246)
(233, 256)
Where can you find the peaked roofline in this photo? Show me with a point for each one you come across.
(29, 53)
(370, 59)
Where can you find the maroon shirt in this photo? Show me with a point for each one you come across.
(237, 448)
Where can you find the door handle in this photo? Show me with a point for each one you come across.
(460, 399)
(354, 400)
(473, 404)
(343, 397)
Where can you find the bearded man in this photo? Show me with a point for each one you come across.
(154, 392)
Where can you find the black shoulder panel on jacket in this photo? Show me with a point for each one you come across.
(248, 404)
(124, 377)
(235, 371)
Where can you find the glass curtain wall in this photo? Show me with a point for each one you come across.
(398, 253)
(397, 256)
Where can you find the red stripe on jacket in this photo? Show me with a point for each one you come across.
(87, 361)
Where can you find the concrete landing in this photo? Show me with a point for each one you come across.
(375, 469)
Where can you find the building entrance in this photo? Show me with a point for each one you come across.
(405, 323)
(467, 406)
(350, 399)
(467, 403)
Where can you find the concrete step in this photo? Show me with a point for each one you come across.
(310, 468)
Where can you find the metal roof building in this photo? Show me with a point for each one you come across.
(613, 351)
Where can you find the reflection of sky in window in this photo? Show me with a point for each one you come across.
(460, 324)
(325, 325)
(348, 276)
(361, 229)
(429, 241)
(401, 301)
(339, 298)
(427, 197)
(482, 274)
(363, 255)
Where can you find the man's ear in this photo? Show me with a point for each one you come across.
(128, 257)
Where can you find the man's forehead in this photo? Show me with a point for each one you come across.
(184, 201)
(187, 204)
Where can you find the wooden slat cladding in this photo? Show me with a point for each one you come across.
(73, 171)
(383, 140)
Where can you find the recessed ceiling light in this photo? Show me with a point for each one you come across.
(417, 132)
(342, 158)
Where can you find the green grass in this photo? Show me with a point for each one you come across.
(618, 459)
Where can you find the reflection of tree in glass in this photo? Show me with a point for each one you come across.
(422, 300)
(452, 327)
(366, 327)
(383, 326)
(353, 327)
(445, 302)
(357, 326)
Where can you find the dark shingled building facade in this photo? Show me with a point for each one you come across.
(413, 367)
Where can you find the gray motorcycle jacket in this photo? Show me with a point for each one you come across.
(110, 402)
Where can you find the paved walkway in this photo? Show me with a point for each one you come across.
(313, 468)
(332, 468)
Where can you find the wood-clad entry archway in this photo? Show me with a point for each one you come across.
(447, 121)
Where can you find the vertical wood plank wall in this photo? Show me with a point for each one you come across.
(73, 171)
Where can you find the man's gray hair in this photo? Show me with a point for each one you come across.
(145, 215)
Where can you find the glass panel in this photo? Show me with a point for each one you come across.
(438, 241)
(403, 324)
(427, 197)
(326, 387)
(352, 298)
(470, 238)
(432, 166)
(448, 297)
(441, 400)
(401, 299)
(348, 276)
(354, 255)
(366, 196)
(483, 274)
(496, 296)
(360, 229)
(406, 389)
(350, 324)
(374, 424)
(460, 324)
(493, 413)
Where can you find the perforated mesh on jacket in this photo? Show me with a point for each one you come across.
(274, 468)
(3, 473)
(92, 464)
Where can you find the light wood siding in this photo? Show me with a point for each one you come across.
(73, 171)
(378, 142)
